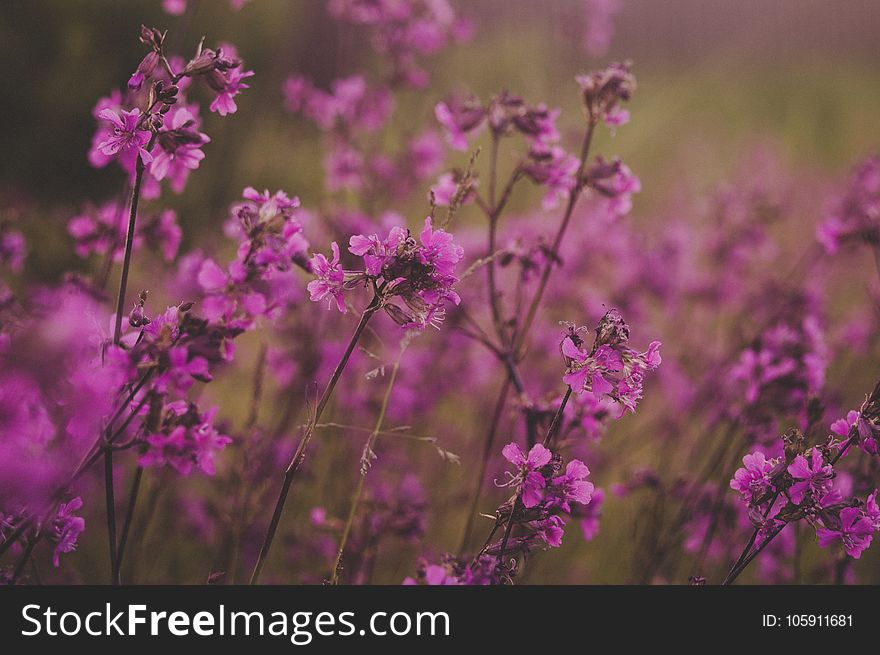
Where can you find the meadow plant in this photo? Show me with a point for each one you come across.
(407, 345)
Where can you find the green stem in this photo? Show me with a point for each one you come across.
(557, 241)
(368, 448)
(300, 453)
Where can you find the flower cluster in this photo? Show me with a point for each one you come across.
(405, 31)
(802, 486)
(603, 91)
(543, 499)
(154, 110)
(610, 367)
(186, 439)
(258, 281)
(485, 570)
(420, 273)
(856, 215)
(102, 230)
(356, 106)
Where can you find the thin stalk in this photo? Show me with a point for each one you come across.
(557, 419)
(484, 463)
(517, 506)
(557, 241)
(493, 233)
(111, 514)
(129, 515)
(300, 453)
(117, 335)
(25, 558)
(129, 242)
(359, 490)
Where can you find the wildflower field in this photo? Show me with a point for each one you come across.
(439, 292)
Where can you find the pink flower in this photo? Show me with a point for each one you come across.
(224, 104)
(126, 135)
(438, 249)
(812, 476)
(66, 528)
(855, 532)
(610, 368)
(591, 515)
(866, 434)
(459, 117)
(572, 486)
(754, 481)
(180, 148)
(528, 479)
(330, 279)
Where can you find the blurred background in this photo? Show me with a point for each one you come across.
(719, 81)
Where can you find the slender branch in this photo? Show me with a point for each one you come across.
(300, 453)
(491, 247)
(517, 506)
(111, 514)
(557, 419)
(484, 462)
(129, 515)
(25, 558)
(117, 335)
(368, 449)
(129, 242)
(557, 241)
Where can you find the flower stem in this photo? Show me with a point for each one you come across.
(522, 332)
(300, 453)
(117, 335)
(484, 463)
(129, 242)
(111, 514)
(368, 448)
(557, 419)
(129, 516)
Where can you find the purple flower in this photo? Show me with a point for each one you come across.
(754, 480)
(344, 167)
(572, 486)
(528, 479)
(866, 433)
(610, 368)
(66, 528)
(330, 279)
(224, 104)
(549, 530)
(12, 248)
(445, 189)
(872, 510)
(180, 148)
(421, 273)
(459, 116)
(854, 216)
(439, 250)
(591, 514)
(811, 476)
(187, 440)
(855, 532)
(126, 135)
(599, 26)
(603, 91)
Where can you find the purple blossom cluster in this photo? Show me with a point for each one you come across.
(228, 408)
